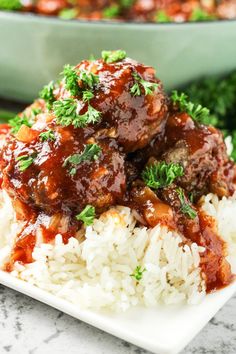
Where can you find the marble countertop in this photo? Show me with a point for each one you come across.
(29, 327)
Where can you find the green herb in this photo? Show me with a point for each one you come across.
(185, 207)
(68, 14)
(149, 87)
(24, 161)
(111, 11)
(66, 114)
(17, 122)
(113, 56)
(161, 16)
(91, 152)
(199, 14)
(36, 111)
(196, 111)
(87, 215)
(161, 174)
(138, 273)
(71, 79)
(126, 3)
(47, 94)
(87, 96)
(48, 135)
(88, 79)
(10, 5)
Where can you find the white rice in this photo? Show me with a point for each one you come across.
(96, 272)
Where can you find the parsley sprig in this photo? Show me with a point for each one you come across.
(71, 79)
(138, 273)
(111, 11)
(10, 5)
(161, 174)
(24, 161)
(113, 56)
(149, 87)
(87, 215)
(88, 79)
(47, 94)
(185, 206)
(91, 152)
(196, 111)
(48, 135)
(17, 122)
(66, 113)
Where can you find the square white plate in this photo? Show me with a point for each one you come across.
(162, 330)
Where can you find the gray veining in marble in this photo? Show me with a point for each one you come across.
(29, 327)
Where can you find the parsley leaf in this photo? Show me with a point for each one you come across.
(113, 56)
(196, 111)
(10, 4)
(161, 16)
(199, 14)
(185, 207)
(126, 3)
(111, 11)
(138, 273)
(149, 87)
(71, 79)
(68, 14)
(48, 135)
(17, 122)
(66, 114)
(91, 152)
(87, 96)
(47, 94)
(161, 174)
(88, 79)
(24, 161)
(87, 215)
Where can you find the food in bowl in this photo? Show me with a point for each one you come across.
(114, 194)
(128, 10)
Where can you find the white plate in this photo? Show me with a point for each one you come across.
(163, 330)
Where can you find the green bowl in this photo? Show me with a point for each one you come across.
(34, 49)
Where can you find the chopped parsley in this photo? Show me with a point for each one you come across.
(126, 3)
(91, 152)
(196, 111)
(149, 87)
(161, 174)
(10, 5)
(49, 135)
(66, 113)
(161, 16)
(199, 14)
(24, 161)
(113, 56)
(88, 79)
(47, 94)
(87, 96)
(17, 122)
(185, 206)
(87, 215)
(111, 11)
(71, 79)
(138, 273)
(68, 14)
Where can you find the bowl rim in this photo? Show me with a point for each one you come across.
(108, 22)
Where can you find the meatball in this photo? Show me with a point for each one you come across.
(50, 7)
(135, 119)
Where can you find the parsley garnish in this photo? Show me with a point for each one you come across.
(196, 111)
(17, 122)
(48, 135)
(87, 96)
(199, 14)
(68, 14)
(112, 56)
(87, 215)
(88, 79)
(10, 4)
(161, 16)
(71, 79)
(185, 207)
(47, 94)
(126, 3)
(24, 161)
(161, 174)
(91, 152)
(111, 11)
(66, 114)
(138, 273)
(149, 87)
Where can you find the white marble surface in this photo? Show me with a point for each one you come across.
(29, 327)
